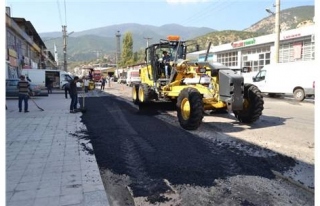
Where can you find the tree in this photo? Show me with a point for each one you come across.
(127, 50)
(139, 56)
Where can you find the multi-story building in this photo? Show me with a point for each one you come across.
(24, 47)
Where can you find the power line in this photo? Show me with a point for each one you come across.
(197, 14)
(65, 12)
(59, 12)
(212, 9)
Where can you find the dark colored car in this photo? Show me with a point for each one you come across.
(13, 91)
(122, 80)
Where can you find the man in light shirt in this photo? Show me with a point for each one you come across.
(86, 84)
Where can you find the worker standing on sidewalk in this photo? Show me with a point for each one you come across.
(103, 83)
(86, 84)
(73, 92)
(66, 89)
(24, 89)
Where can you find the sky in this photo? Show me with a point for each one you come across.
(80, 15)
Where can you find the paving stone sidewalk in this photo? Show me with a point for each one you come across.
(46, 163)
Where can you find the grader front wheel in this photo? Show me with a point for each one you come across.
(252, 106)
(190, 108)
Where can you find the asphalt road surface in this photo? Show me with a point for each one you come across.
(146, 158)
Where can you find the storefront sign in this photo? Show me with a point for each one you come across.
(243, 43)
(291, 36)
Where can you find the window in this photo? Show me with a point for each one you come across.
(12, 83)
(228, 59)
(286, 51)
(261, 56)
(260, 76)
(67, 77)
(256, 58)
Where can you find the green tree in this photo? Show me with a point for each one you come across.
(127, 50)
(139, 56)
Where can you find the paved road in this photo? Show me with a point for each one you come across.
(20, 149)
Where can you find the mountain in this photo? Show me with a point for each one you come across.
(289, 19)
(90, 44)
(86, 44)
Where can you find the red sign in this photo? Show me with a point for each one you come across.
(243, 43)
(297, 49)
(291, 36)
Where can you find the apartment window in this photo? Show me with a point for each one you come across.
(10, 40)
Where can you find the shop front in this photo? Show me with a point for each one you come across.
(254, 53)
(12, 64)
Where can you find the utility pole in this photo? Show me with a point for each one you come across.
(277, 31)
(118, 35)
(64, 32)
(147, 38)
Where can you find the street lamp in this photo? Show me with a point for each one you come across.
(147, 38)
(277, 29)
(270, 12)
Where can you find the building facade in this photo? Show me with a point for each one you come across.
(24, 47)
(295, 45)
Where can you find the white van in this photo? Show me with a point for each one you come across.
(296, 78)
(40, 76)
(133, 77)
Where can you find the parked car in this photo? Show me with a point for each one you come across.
(13, 91)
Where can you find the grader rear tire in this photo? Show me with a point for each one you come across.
(135, 98)
(253, 105)
(190, 108)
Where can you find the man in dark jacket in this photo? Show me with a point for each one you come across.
(24, 89)
(66, 89)
(73, 95)
(166, 61)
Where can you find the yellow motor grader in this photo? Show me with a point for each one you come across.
(194, 86)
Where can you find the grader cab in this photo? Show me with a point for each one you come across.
(194, 86)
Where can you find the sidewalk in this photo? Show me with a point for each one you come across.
(47, 162)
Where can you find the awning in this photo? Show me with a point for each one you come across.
(13, 53)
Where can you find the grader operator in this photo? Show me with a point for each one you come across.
(194, 86)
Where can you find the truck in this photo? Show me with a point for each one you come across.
(293, 78)
(133, 77)
(97, 75)
(41, 77)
